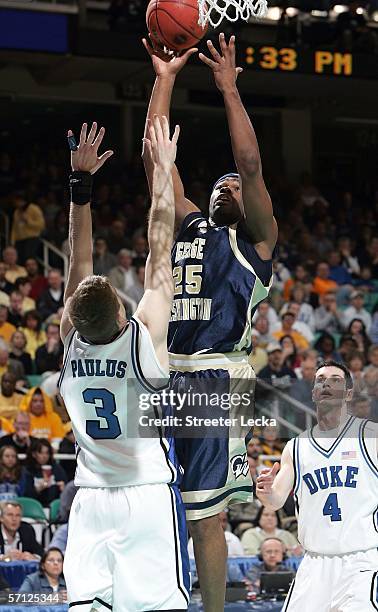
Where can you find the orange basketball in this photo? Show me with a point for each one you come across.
(174, 23)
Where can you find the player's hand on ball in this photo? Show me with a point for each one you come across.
(167, 64)
(223, 63)
(266, 479)
(85, 157)
(161, 147)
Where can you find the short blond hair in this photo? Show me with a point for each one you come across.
(94, 309)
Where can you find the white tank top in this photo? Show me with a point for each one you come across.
(105, 389)
(336, 489)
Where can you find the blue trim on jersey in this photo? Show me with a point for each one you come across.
(181, 545)
(215, 500)
(364, 450)
(136, 363)
(66, 359)
(375, 520)
(297, 467)
(328, 453)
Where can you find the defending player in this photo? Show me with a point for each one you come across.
(126, 544)
(222, 269)
(333, 470)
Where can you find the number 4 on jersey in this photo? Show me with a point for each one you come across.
(331, 507)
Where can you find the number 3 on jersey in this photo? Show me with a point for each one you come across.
(106, 411)
(331, 508)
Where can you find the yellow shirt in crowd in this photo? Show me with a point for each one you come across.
(27, 223)
(6, 331)
(14, 273)
(9, 406)
(33, 340)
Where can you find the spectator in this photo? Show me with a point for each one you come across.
(23, 286)
(288, 320)
(67, 447)
(327, 316)
(356, 363)
(234, 546)
(52, 298)
(275, 372)
(48, 356)
(14, 271)
(20, 439)
(270, 443)
(17, 351)
(35, 336)
(370, 258)
(140, 248)
(347, 346)
(49, 578)
(268, 525)
(264, 309)
(45, 479)
(257, 358)
(6, 328)
(357, 330)
(301, 389)
(9, 399)
(371, 377)
(261, 326)
(17, 539)
(38, 282)
(356, 310)
(271, 559)
(103, 261)
(60, 537)
(44, 422)
(27, 227)
(137, 290)
(9, 365)
(66, 499)
(15, 310)
(337, 272)
(117, 239)
(322, 282)
(344, 246)
(12, 474)
(299, 326)
(300, 277)
(361, 407)
(6, 428)
(122, 277)
(323, 244)
(305, 315)
(326, 347)
(290, 357)
(5, 285)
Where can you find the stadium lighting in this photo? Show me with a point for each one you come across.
(274, 13)
(291, 11)
(375, 16)
(316, 13)
(340, 8)
(360, 10)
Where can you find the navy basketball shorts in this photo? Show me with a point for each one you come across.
(214, 409)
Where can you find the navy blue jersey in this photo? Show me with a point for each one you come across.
(219, 280)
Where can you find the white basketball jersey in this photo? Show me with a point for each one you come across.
(105, 390)
(336, 489)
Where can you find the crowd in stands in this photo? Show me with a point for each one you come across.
(323, 305)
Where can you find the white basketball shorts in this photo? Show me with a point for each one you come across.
(335, 583)
(127, 550)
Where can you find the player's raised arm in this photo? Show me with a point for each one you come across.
(259, 220)
(274, 484)
(155, 307)
(84, 163)
(166, 69)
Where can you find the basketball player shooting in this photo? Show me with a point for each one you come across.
(124, 552)
(222, 267)
(333, 470)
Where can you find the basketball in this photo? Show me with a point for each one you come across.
(174, 23)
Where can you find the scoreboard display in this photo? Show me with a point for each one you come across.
(315, 62)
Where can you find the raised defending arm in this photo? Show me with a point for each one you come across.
(84, 163)
(155, 307)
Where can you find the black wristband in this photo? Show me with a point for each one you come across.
(81, 187)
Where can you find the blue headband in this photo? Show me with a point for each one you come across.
(233, 175)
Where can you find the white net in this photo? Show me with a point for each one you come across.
(214, 11)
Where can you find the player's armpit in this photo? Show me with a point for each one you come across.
(65, 323)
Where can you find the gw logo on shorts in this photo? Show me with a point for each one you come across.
(239, 465)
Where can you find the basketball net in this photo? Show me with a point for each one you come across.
(214, 11)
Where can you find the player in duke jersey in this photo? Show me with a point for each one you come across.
(222, 269)
(333, 470)
(126, 547)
